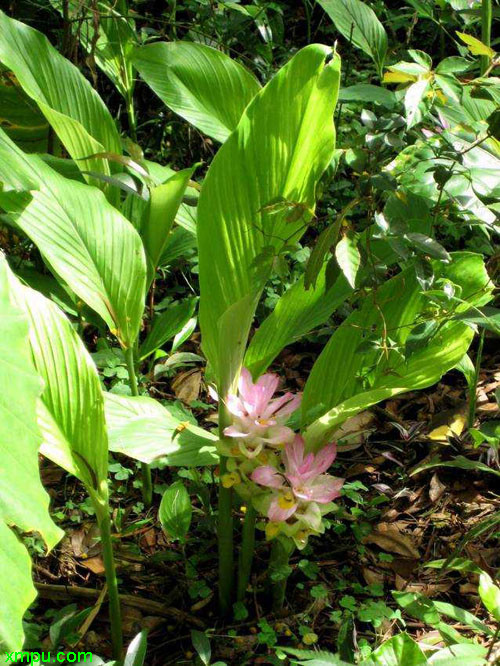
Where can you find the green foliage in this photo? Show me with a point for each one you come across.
(364, 360)
(167, 325)
(77, 114)
(175, 511)
(143, 429)
(95, 232)
(239, 227)
(358, 23)
(23, 501)
(84, 239)
(201, 84)
(71, 411)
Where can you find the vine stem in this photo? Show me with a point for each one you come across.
(281, 551)
(246, 552)
(147, 484)
(104, 521)
(486, 20)
(225, 526)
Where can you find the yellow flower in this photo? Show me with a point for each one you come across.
(272, 530)
(286, 500)
(231, 479)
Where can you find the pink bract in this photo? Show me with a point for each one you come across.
(258, 418)
(303, 479)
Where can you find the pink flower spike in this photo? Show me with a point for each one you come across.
(293, 455)
(267, 476)
(245, 383)
(256, 396)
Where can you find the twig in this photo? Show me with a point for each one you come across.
(48, 591)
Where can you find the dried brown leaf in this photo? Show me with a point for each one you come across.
(389, 537)
(436, 488)
(186, 386)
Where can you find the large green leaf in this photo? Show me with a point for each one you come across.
(358, 23)
(71, 410)
(23, 501)
(84, 239)
(345, 380)
(204, 86)
(142, 428)
(68, 101)
(296, 313)
(258, 195)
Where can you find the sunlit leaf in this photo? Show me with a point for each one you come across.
(348, 258)
(344, 382)
(164, 203)
(84, 239)
(283, 144)
(476, 46)
(296, 313)
(359, 24)
(23, 501)
(71, 410)
(143, 429)
(167, 325)
(175, 511)
(490, 595)
(204, 86)
(71, 105)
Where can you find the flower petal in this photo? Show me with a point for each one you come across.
(290, 406)
(293, 455)
(324, 458)
(235, 431)
(283, 406)
(278, 435)
(235, 406)
(276, 514)
(213, 393)
(322, 489)
(245, 384)
(311, 517)
(267, 476)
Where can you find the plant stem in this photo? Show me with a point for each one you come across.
(147, 484)
(473, 387)
(246, 552)
(225, 527)
(102, 513)
(493, 642)
(132, 121)
(486, 20)
(281, 550)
